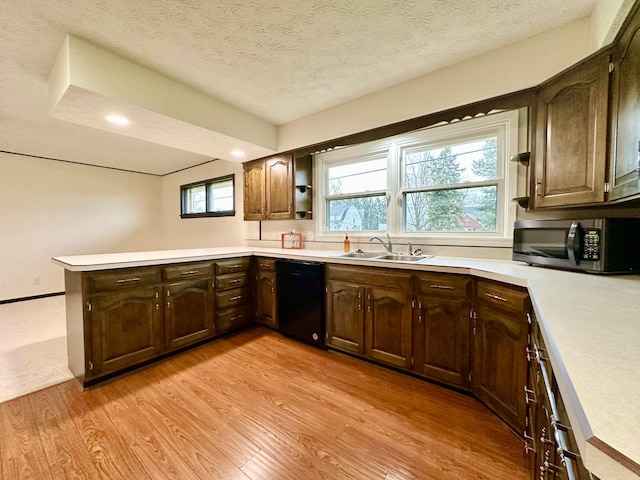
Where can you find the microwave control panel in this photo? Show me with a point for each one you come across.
(591, 249)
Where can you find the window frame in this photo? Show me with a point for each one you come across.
(208, 184)
(506, 123)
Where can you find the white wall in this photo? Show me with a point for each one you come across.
(50, 208)
(515, 67)
(201, 232)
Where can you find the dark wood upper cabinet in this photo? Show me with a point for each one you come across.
(625, 111)
(279, 187)
(570, 156)
(268, 188)
(254, 191)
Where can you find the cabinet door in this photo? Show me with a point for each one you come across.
(388, 331)
(571, 137)
(279, 187)
(126, 329)
(500, 363)
(625, 118)
(441, 335)
(345, 319)
(266, 304)
(188, 312)
(254, 190)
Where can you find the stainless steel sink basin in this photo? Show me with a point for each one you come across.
(367, 255)
(388, 257)
(403, 258)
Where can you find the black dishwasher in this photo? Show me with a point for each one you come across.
(301, 300)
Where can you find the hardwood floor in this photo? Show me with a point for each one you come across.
(256, 406)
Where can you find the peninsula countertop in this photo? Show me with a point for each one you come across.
(590, 323)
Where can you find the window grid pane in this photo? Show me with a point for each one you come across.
(221, 196)
(473, 161)
(196, 199)
(358, 177)
(452, 210)
(357, 214)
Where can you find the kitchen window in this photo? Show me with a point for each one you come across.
(208, 198)
(448, 184)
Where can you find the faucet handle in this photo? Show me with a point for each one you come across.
(410, 249)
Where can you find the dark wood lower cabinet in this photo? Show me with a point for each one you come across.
(345, 316)
(501, 336)
(441, 339)
(266, 304)
(188, 312)
(387, 326)
(126, 329)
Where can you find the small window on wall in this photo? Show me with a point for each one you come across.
(209, 198)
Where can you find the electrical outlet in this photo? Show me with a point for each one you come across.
(37, 280)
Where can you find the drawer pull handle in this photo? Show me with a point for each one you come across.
(237, 297)
(443, 287)
(264, 265)
(129, 280)
(235, 266)
(190, 272)
(496, 297)
(237, 280)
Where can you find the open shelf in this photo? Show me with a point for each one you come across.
(522, 158)
(522, 201)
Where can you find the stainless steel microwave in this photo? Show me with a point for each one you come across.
(596, 245)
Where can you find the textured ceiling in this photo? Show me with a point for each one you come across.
(279, 60)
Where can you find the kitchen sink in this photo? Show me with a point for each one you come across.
(388, 257)
(403, 258)
(366, 255)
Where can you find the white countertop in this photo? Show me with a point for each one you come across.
(590, 324)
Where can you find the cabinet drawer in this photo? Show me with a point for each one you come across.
(122, 278)
(232, 265)
(185, 271)
(233, 318)
(443, 285)
(503, 296)
(375, 277)
(232, 280)
(232, 298)
(268, 264)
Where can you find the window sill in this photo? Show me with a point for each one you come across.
(423, 240)
(208, 214)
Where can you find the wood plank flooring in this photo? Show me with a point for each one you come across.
(256, 406)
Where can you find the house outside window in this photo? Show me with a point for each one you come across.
(451, 184)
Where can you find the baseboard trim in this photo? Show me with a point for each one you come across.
(35, 297)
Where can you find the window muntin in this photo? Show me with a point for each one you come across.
(451, 210)
(210, 198)
(356, 193)
(364, 175)
(357, 213)
(433, 197)
(480, 183)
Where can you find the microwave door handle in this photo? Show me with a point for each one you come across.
(573, 243)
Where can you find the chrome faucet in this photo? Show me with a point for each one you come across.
(387, 245)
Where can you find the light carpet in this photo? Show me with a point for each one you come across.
(33, 346)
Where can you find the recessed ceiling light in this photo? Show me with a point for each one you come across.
(238, 153)
(117, 119)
